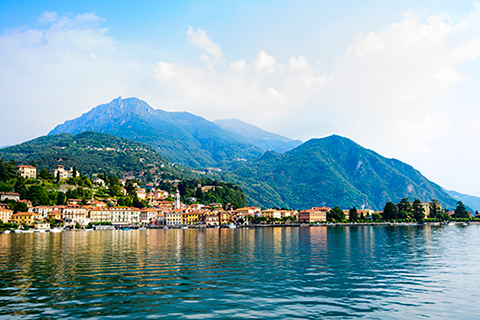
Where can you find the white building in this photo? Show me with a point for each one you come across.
(28, 172)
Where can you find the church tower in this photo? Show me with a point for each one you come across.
(177, 200)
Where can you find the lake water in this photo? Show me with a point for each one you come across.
(319, 272)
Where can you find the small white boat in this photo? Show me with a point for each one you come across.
(165, 228)
(232, 226)
(18, 231)
(142, 228)
(56, 230)
(184, 227)
(6, 231)
(39, 231)
(217, 227)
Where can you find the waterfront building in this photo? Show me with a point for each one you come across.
(27, 172)
(54, 214)
(6, 215)
(211, 219)
(100, 214)
(9, 196)
(148, 215)
(41, 224)
(125, 215)
(27, 218)
(250, 211)
(315, 214)
(192, 217)
(75, 214)
(173, 217)
(224, 217)
(41, 210)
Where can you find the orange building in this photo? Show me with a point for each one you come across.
(315, 214)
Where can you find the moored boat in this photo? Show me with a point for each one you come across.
(232, 226)
(56, 230)
(6, 231)
(184, 227)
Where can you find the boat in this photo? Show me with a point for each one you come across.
(232, 226)
(165, 228)
(56, 230)
(18, 231)
(217, 227)
(39, 231)
(6, 231)
(142, 228)
(184, 227)
(126, 229)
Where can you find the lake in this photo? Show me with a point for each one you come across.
(400, 272)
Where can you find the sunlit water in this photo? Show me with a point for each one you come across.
(319, 272)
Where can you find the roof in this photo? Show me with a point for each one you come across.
(23, 166)
(26, 214)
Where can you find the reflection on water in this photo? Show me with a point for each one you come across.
(320, 272)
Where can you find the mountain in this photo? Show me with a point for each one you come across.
(468, 200)
(258, 137)
(180, 136)
(332, 171)
(90, 152)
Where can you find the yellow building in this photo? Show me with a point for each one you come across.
(41, 224)
(192, 217)
(28, 172)
(27, 218)
(5, 215)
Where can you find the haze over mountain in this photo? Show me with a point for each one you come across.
(180, 136)
(258, 137)
(333, 171)
(468, 200)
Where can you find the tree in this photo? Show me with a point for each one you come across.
(20, 207)
(130, 187)
(45, 175)
(336, 214)
(404, 205)
(434, 209)
(461, 211)
(418, 210)
(390, 211)
(376, 217)
(32, 163)
(20, 187)
(74, 172)
(38, 196)
(78, 226)
(52, 221)
(353, 214)
(58, 177)
(61, 198)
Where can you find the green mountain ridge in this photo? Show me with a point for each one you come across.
(87, 151)
(333, 171)
(181, 136)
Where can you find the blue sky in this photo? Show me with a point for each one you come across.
(399, 77)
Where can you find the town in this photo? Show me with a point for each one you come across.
(156, 208)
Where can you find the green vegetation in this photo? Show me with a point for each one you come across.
(220, 192)
(331, 171)
(86, 152)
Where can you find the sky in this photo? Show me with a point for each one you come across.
(399, 77)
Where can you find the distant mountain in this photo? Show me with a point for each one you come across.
(258, 137)
(332, 171)
(180, 136)
(468, 200)
(90, 152)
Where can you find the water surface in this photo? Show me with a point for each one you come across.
(319, 272)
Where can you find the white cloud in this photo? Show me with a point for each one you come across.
(265, 88)
(200, 40)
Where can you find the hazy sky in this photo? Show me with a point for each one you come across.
(399, 77)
